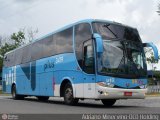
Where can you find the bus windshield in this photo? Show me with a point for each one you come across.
(123, 54)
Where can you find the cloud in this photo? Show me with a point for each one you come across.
(50, 15)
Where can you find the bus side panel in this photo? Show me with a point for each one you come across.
(4, 80)
(22, 78)
(64, 65)
(8, 78)
(46, 81)
(44, 72)
(67, 68)
(23, 81)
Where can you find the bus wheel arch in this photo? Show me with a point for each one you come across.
(62, 87)
(15, 96)
(13, 90)
(67, 86)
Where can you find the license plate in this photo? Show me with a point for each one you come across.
(127, 93)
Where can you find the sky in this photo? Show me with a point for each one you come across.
(50, 15)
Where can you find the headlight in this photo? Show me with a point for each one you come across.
(103, 84)
(143, 86)
(110, 85)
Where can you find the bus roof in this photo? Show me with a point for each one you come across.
(70, 25)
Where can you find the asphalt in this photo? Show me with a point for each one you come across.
(56, 106)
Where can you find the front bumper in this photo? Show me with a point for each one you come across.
(118, 93)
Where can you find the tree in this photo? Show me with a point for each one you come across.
(153, 62)
(31, 34)
(15, 40)
(18, 38)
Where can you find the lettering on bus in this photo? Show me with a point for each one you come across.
(110, 80)
(51, 64)
(59, 60)
(48, 65)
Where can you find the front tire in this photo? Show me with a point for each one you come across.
(108, 102)
(15, 96)
(68, 95)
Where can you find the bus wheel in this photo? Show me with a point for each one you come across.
(14, 94)
(43, 98)
(108, 102)
(68, 95)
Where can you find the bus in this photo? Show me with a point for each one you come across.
(90, 59)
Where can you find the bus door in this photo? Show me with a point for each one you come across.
(89, 69)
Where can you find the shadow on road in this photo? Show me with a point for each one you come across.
(87, 104)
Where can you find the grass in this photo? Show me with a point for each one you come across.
(4, 94)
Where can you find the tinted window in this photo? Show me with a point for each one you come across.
(60, 42)
(64, 41)
(113, 31)
(11, 59)
(18, 56)
(88, 64)
(26, 54)
(5, 60)
(49, 46)
(82, 33)
(37, 49)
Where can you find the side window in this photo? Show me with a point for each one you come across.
(60, 42)
(11, 59)
(49, 46)
(88, 64)
(5, 61)
(18, 54)
(26, 57)
(64, 41)
(82, 33)
(37, 49)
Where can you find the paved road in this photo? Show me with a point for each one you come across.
(56, 106)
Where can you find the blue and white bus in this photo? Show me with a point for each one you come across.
(90, 59)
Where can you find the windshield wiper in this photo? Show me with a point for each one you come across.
(106, 26)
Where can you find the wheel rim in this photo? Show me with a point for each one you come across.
(68, 94)
(13, 93)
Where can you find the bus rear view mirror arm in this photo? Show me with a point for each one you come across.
(99, 43)
(154, 49)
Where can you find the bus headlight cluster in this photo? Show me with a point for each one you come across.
(143, 86)
(103, 84)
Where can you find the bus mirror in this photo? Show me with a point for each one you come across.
(99, 43)
(154, 49)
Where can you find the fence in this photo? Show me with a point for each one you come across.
(153, 89)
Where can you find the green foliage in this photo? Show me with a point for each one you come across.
(18, 38)
(151, 59)
(15, 40)
(156, 74)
